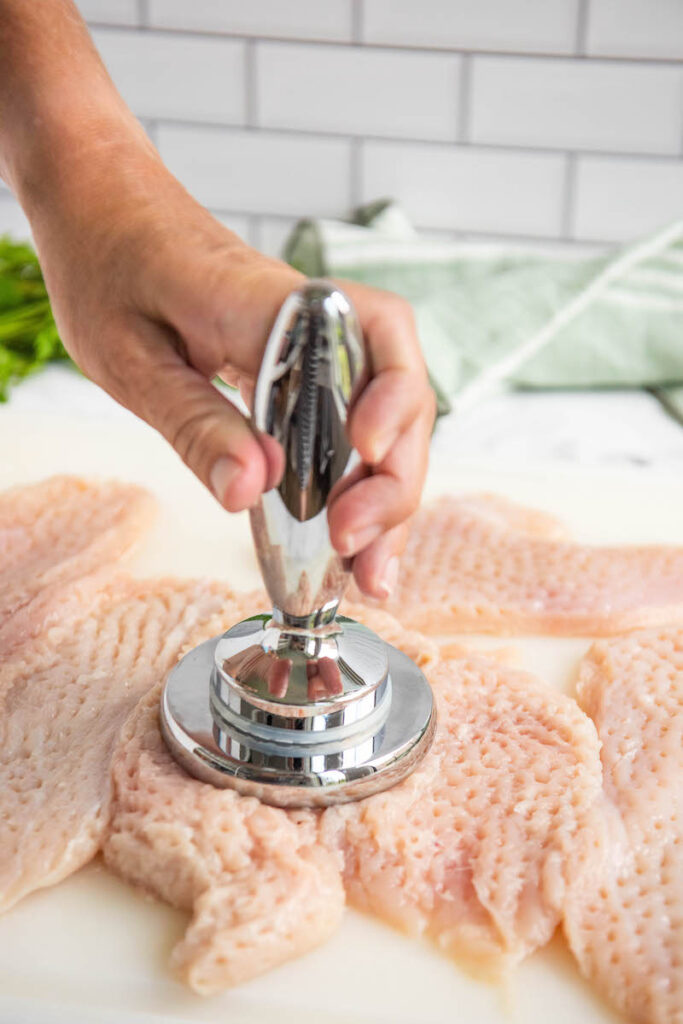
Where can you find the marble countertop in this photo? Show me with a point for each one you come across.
(618, 429)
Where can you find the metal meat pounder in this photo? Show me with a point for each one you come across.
(301, 707)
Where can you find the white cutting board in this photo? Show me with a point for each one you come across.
(92, 950)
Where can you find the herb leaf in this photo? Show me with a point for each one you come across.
(28, 334)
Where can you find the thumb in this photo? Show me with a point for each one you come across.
(209, 433)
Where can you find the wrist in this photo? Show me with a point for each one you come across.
(63, 122)
(72, 154)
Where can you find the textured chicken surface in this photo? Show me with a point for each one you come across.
(522, 814)
(476, 848)
(483, 564)
(57, 532)
(261, 889)
(63, 699)
(261, 886)
(627, 932)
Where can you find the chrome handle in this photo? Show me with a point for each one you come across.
(312, 369)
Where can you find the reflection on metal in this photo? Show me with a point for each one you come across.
(312, 370)
(300, 707)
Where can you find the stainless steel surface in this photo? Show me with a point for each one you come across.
(299, 707)
(295, 774)
(312, 370)
(301, 675)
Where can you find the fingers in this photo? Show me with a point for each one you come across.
(373, 504)
(212, 438)
(324, 679)
(277, 672)
(207, 431)
(398, 390)
(376, 568)
(388, 405)
(224, 301)
(390, 426)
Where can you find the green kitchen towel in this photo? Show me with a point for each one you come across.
(490, 316)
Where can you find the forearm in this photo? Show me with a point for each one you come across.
(61, 118)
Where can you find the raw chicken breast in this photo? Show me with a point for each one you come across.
(63, 699)
(54, 533)
(477, 847)
(627, 933)
(483, 564)
(260, 888)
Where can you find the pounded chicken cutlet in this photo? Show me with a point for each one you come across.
(63, 699)
(260, 887)
(474, 849)
(55, 533)
(504, 830)
(483, 564)
(627, 931)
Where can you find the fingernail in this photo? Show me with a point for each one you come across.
(355, 542)
(387, 584)
(224, 471)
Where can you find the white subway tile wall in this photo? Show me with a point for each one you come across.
(111, 12)
(259, 172)
(618, 199)
(358, 91)
(578, 105)
(272, 233)
(163, 75)
(636, 28)
(279, 19)
(543, 121)
(466, 188)
(526, 26)
(13, 220)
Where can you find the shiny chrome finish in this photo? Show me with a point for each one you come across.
(308, 681)
(295, 773)
(298, 707)
(312, 370)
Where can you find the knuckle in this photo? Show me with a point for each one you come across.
(407, 503)
(191, 437)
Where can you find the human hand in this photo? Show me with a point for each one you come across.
(154, 297)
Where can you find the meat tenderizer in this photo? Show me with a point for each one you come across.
(301, 706)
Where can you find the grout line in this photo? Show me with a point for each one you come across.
(398, 47)
(254, 231)
(464, 107)
(581, 38)
(251, 85)
(143, 13)
(356, 21)
(230, 211)
(150, 125)
(465, 234)
(503, 147)
(568, 198)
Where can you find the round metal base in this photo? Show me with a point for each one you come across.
(229, 751)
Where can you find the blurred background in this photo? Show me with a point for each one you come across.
(533, 154)
(543, 121)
